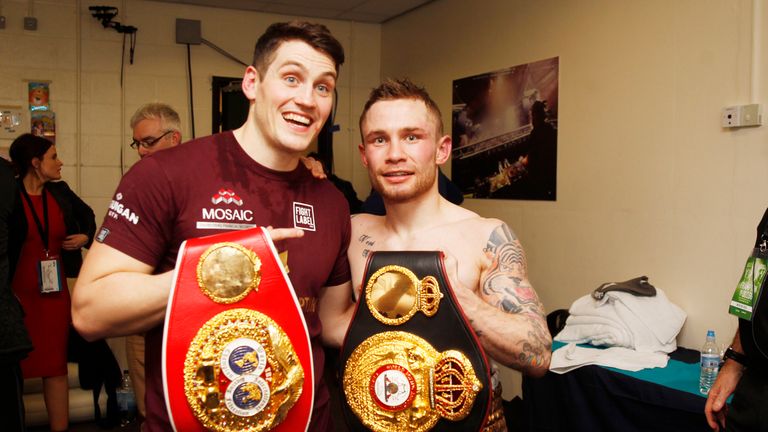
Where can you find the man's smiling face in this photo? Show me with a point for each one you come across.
(294, 97)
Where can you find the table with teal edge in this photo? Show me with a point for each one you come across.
(595, 398)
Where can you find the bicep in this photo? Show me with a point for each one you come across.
(103, 260)
(504, 282)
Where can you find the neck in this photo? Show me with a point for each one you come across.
(32, 184)
(253, 143)
(409, 217)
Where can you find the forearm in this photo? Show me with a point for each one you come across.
(335, 310)
(517, 340)
(120, 304)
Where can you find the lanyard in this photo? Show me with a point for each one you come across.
(40, 229)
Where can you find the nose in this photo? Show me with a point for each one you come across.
(143, 151)
(305, 96)
(395, 152)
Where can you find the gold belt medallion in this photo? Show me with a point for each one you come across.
(241, 373)
(394, 294)
(227, 272)
(397, 381)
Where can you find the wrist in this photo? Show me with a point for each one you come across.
(738, 357)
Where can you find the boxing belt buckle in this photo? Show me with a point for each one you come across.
(236, 350)
(409, 356)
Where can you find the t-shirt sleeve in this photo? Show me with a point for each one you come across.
(139, 220)
(341, 272)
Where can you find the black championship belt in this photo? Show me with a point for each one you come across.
(410, 356)
(236, 351)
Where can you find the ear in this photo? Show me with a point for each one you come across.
(176, 137)
(361, 149)
(250, 83)
(35, 162)
(444, 147)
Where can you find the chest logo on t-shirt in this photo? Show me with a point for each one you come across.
(226, 196)
(303, 216)
(225, 214)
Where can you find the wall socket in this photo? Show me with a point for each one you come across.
(30, 23)
(742, 116)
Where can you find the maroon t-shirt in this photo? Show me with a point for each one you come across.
(208, 186)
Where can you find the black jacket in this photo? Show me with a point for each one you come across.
(754, 334)
(78, 219)
(14, 339)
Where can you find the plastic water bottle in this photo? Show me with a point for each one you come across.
(126, 401)
(710, 363)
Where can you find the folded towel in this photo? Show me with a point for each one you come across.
(620, 319)
(571, 357)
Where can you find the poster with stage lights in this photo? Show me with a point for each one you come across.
(505, 133)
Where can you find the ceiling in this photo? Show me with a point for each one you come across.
(369, 11)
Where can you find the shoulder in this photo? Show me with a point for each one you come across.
(60, 185)
(366, 221)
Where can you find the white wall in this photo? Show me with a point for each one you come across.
(83, 61)
(648, 181)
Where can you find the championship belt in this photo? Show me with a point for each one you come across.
(409, 356)
(236, 351)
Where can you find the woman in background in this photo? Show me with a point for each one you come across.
(55, 225)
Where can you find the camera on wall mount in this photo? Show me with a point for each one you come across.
(106, 15)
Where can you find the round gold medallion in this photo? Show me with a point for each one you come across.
(241, 373)
(396, 378)
(394, 294)
(227, 272)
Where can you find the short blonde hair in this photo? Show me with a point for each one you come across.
(168, 117)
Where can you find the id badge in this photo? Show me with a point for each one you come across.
(49, 276)
(748, 288)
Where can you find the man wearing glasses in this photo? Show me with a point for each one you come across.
(156, 126)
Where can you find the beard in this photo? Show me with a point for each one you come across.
(421, 184)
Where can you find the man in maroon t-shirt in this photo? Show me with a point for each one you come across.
(234, 180)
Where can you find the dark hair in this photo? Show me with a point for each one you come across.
(403, 88)
(315, 35)
(25, 148)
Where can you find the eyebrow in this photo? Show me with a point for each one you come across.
(330, 73)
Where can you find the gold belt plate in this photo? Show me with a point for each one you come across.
(396, 381)
(394, 294)
(241, 373)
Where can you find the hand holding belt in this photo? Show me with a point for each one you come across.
(236, 351)
(409, 356)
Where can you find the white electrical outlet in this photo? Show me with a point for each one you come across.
(730, 117)
(742, 116)
(751, 115)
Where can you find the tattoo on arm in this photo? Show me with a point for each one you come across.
(506, 282)
(505, 285)
(367, 243)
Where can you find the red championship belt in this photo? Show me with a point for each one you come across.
(236, 351)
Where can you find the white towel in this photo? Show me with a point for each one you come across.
(571, 357)
(619, 319)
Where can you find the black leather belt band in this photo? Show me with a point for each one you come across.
(446, 329)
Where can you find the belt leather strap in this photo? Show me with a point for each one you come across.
(236, 350)
(437, 320)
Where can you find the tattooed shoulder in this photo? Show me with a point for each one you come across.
(366, 244)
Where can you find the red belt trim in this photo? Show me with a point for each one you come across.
(189, 309)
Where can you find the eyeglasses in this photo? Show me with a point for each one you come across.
(148, 142)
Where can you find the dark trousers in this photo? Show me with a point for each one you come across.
(11, 400)
(748, 411)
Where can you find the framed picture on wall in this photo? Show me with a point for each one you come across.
(504, 129)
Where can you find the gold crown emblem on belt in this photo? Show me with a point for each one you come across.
(394, 294)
